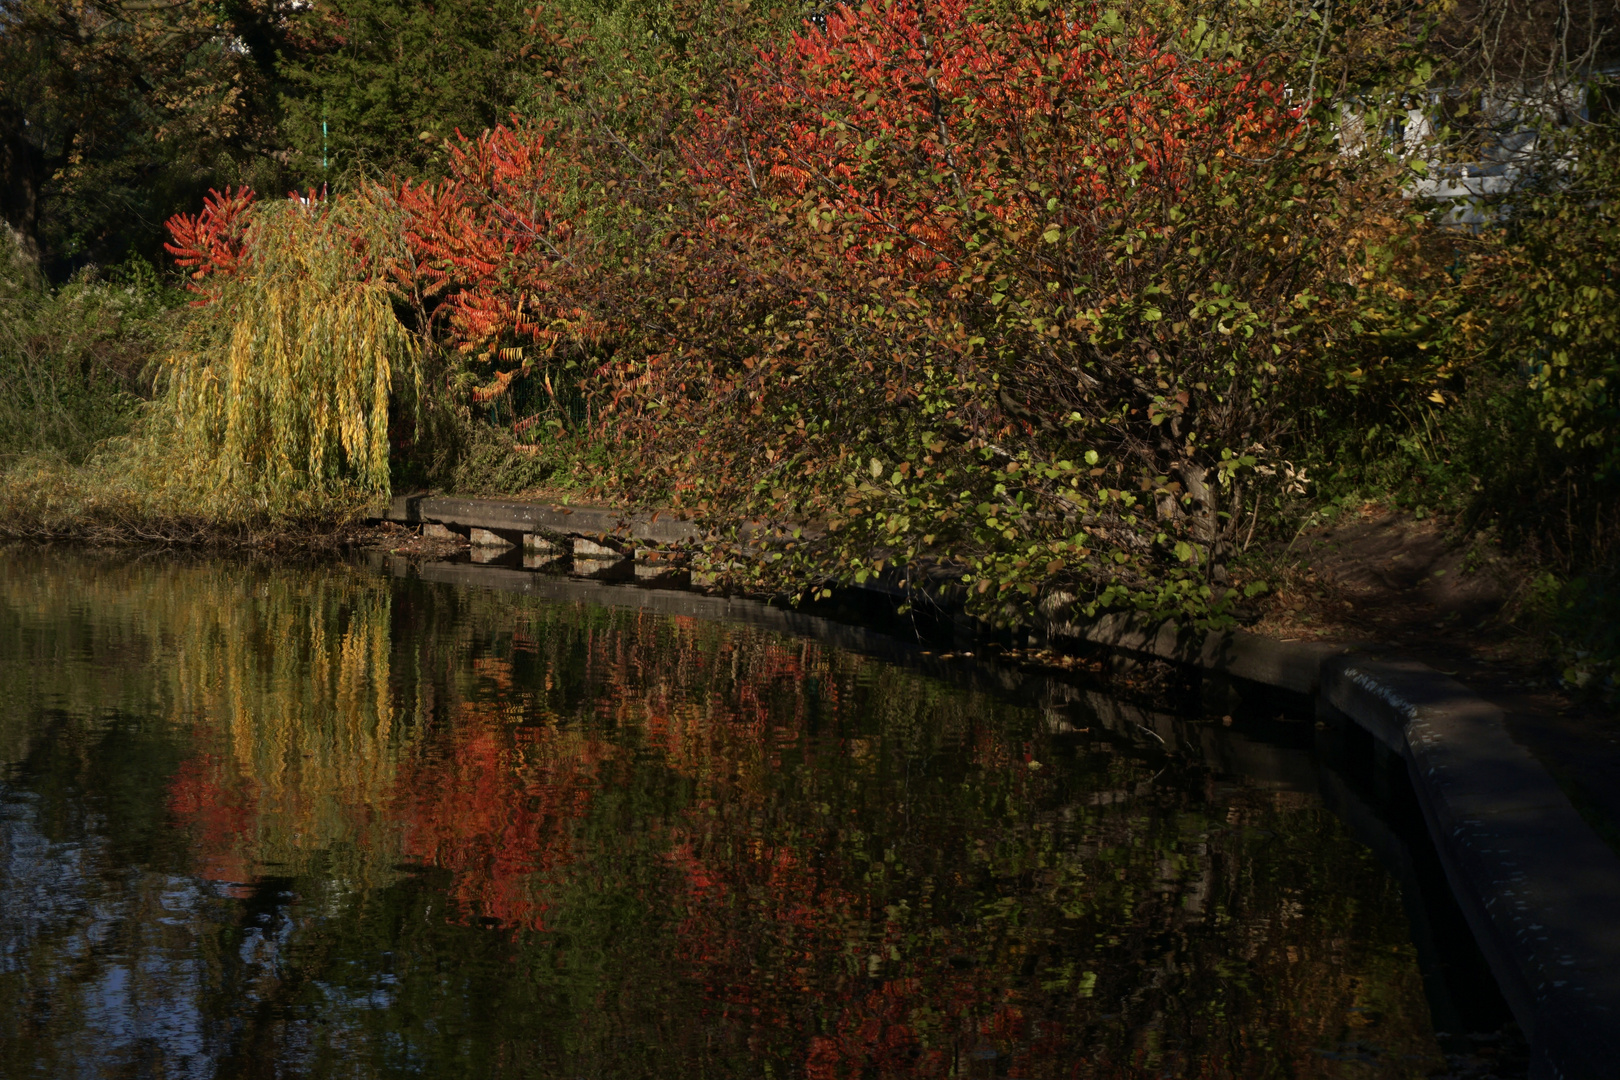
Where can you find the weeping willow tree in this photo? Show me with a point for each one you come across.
(275, 400)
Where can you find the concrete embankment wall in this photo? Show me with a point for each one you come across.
(1539, 888)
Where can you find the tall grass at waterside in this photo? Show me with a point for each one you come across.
(71, 357)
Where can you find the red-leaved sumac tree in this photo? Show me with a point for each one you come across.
(213, 241)
(494, 245)
(1044, 126)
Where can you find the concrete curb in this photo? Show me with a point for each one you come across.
(1539, 888)
(1293, 666)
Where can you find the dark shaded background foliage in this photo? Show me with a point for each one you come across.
(113, 115)
(392, 81)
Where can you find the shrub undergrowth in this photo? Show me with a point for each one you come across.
(72, 356)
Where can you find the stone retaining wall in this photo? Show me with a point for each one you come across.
(1538, 886)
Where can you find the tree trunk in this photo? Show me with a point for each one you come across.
(1195, 480)
(22, 175)
(1205, 519)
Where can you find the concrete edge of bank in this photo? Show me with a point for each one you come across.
(1539, 888)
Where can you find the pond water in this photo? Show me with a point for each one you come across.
(261, 821)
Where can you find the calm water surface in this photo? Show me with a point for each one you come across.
(261, 822)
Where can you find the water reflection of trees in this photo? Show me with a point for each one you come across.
(486, 835)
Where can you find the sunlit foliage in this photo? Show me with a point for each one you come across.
(1011, 299)
(281, 387)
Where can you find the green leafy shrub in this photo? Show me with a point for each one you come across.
(1552, 290)
(1586, 630)
(1482, 377)
(71, 358)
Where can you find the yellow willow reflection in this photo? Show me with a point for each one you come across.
(296, 680)
(282, 679)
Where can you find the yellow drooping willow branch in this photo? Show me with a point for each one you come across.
(280, 388)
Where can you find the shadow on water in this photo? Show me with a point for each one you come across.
(1369, 789)
(270, 821)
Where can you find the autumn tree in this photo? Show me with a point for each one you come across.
(1017, 298)
(116, 113)
(1026, 294)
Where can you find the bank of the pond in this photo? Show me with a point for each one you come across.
(123, 529)
(1538, 886)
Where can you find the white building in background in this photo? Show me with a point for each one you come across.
(1516, 150)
